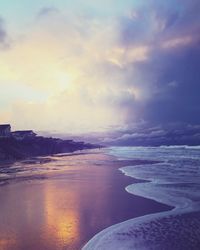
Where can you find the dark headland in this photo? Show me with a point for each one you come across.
(24, 144)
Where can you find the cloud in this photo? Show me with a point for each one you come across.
(177, 42)
(148, 135)
(4, 40)
(60, 60)
(47, 11)
(141, 63)
(171, 34)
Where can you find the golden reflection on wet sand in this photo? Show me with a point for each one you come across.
(7, 243)
(53, 213)
(62, 221)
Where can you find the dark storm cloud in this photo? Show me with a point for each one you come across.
(172, 32)
(148, 135)
(171, 74)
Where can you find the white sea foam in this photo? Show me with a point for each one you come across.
(174, 181)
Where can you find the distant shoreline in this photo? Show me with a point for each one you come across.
(12, 149)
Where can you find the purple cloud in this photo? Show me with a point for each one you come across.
(171, 74)
(4, 40)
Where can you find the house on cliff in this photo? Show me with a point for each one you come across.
(5, 130)
(23, 134)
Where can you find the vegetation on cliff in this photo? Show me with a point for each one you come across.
(13, 149)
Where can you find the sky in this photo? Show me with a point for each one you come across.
(94, 66)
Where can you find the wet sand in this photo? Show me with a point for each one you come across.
(65, 205)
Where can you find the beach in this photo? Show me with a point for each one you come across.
(173, 181)
(62, 201)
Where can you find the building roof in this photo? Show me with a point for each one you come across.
(3, 126)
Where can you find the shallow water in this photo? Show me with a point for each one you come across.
(174, 181)
(61, 202)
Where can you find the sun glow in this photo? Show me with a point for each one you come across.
(64, 80)
(76, 75)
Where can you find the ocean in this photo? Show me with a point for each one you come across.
(174, 180)
(118, 198)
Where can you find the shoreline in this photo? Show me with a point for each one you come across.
(34, 175)
(15, 147)
(159, 230)
(34, 159)
(65, 197)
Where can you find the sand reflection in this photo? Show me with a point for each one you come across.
(61, 214)
(65, 210)
(7, 243)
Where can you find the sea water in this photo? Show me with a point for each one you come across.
(174, 179)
